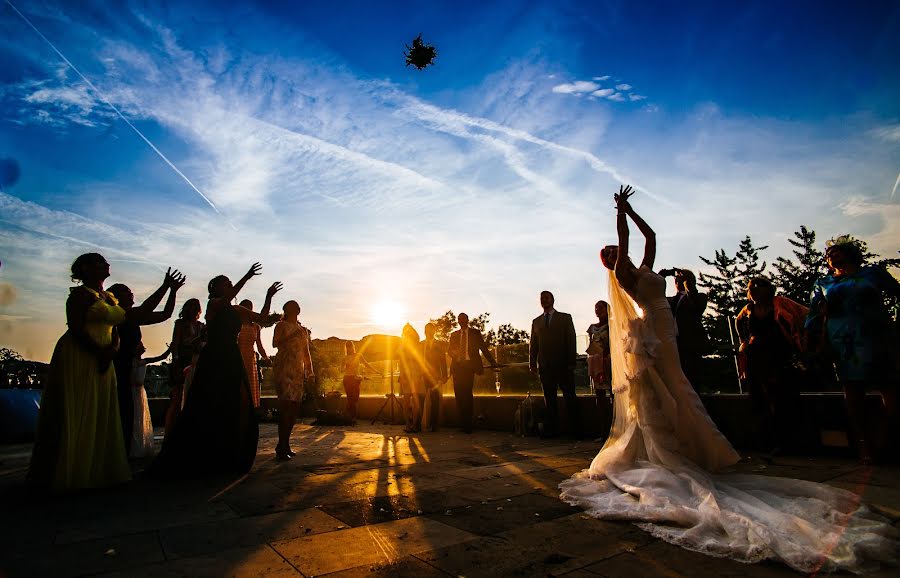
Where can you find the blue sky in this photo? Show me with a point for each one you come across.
(470, 186)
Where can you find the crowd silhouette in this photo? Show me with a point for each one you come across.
(94, 413)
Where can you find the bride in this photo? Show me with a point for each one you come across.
(657, 467)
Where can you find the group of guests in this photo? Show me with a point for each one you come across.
(423, 370)
(847, 324)
(94, 414)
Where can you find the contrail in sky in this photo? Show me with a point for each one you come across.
(896, 183)
(117, 111)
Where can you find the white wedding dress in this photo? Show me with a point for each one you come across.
(656, 468)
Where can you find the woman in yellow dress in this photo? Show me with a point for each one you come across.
(79, 439)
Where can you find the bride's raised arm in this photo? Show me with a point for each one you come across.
(624, 207)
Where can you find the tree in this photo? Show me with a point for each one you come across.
(796, 280)
(506, 334)
(447, 324)
(727, 289)
(728, 286)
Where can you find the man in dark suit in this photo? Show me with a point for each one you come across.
(465, 349)
(687, 308)
(434, 353)
(553, 359)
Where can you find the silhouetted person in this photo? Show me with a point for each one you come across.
(465, 349)
(130, 336)
(352, 377)
(412, 370)
(188, 338)
(771, 331)
(217, 431)
(848, 316)
(552, 358)
(291, 370)
(248, 338)
(599, 360)
(434, 353)
(79, 442)
(688, 306)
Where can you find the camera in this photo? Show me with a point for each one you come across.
(668, 272)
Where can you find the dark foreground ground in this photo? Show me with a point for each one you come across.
(369, 500)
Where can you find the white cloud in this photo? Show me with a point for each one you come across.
(889, 133)
(601, 78)
(636, 97)
(617, 97)
(578, 87)
(603, 92)
(623, 87)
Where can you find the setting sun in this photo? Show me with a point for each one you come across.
(388, 314)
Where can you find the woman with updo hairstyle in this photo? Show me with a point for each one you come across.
(849, 323)
(217, 430)
(79, 441)
(292, 367)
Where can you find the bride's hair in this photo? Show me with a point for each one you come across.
(609, 255)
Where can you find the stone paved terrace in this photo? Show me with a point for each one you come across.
(369, 500)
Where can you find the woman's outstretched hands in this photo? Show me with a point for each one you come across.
(254, 270)
(175, 279)
(622, 204)
(274, 288)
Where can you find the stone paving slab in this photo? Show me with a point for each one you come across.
(370, 500)
(368, 545)
(201, 539)
(259, 560)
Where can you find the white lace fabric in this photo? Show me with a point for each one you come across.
(655, 468)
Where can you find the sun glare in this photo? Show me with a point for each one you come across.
(388, 314)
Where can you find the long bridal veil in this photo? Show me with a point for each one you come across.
(654, 472)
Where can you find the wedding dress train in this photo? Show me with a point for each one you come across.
(657, 466)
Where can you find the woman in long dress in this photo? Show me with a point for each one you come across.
(79, 437)
(188, 339)
(217, 431)
(248, 338)
(658, 465)
(292, 367)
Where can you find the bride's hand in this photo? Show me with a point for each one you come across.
(622, 204)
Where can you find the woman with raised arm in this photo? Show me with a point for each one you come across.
(188, 339)
(129, 331)
(657, 467)
(217, 431)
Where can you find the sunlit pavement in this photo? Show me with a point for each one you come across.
(370, 500)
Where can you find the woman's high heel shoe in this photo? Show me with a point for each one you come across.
(282, 455)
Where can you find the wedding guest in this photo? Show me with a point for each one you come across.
(770, 328)
(552, 356)
(352, 377)
(599, 360)
(129, 331)
(848, 317)
(688, 305)
(142, 430)
(410, 379)
(188, 339)
(434, 354)
(247, 339)
(293, 366)
(79, 436)
(465, 349)
(217, 431)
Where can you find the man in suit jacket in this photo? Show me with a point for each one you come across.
(465, 349)
(552, 357)
(687, 308)
(434, 353)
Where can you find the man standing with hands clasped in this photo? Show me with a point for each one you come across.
(553, 359)
(465, 349)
